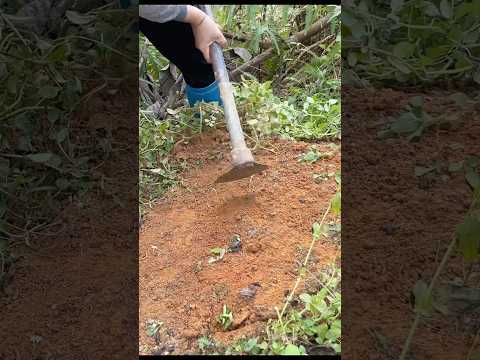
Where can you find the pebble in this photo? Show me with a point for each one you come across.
(390, 229)
(252, 232)
(250, 291)
(253, 248)
(190, 333)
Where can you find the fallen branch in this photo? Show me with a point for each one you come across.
(307, 49)
(299, 37)
(265, 44)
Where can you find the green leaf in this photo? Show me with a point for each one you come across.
(472, 178)
(250, 345)
(446, 9)
(423, 298)
(396, 5)
(43, 44)
(59, 54)
(306, 298)
(468, 236)
(62, 183)
(12, 85)
(455, 166)
(334, 332)
(53, 115)
(476, 75)
(462, 9)
(460, 99)
(399, 65)
(79, 19)
(336, 203)
(352, 58)
(40, 157)
(48, 92)
(421, 170)
(216, 251)
(316, 231)
(309, 17)
(291, 349)
(62, 135)
(403, 49)
(455, 146)
(425, 60)
(4, 167)
(436, 52)
(406, 123)
(152, 328)
(430, 9)
(416, 101)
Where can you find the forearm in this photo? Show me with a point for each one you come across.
(163, 13)
(194, 16)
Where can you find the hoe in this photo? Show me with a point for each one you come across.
(242, 159)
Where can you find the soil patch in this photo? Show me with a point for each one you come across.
(396, 227)
(272, 213)
(75, 295)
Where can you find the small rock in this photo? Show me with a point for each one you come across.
(170, 348)
(369, 244)
(253, 248)
(252, 232)
(390, 229)
(235, 244)
(301, 200)
(262, 313)
(191, 333)
(240, 319)
(250, 291)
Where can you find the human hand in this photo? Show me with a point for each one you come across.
(206, 32)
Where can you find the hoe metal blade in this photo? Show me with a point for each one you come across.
(241, 172)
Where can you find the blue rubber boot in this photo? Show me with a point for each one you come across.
(211, 93)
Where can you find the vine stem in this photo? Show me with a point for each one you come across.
(449, 251)
(414, 326)
(314, 240)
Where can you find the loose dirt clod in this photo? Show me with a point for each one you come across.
(250, 291)
(203, 215)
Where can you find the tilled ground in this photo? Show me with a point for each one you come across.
(396, 226)
(75, 289)
(273, 215)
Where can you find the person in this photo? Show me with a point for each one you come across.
(183, 34)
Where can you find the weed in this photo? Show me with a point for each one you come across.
(45, 158)
(410, 42)
(217, 251)
(225, 319)
(317, 320)
(313, 155)
(219, 254)
(318, 178)
(152, 328)
(465, 240)
(205, 343)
